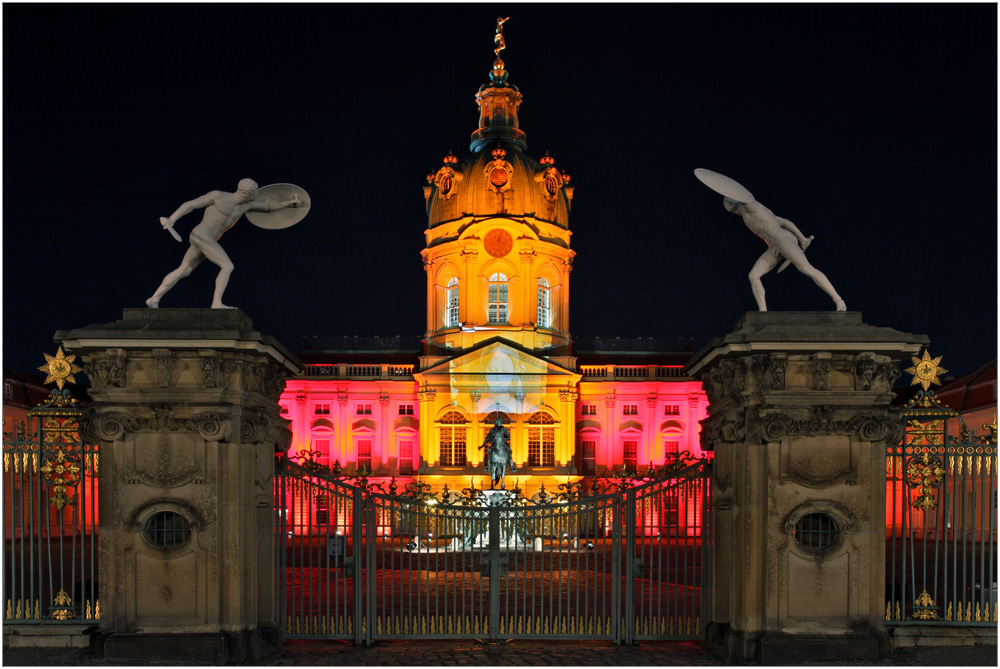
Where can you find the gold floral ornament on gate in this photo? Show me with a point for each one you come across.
(60, 368)
(925, 474)
(61, 473)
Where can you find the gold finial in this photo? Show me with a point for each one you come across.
(60, 369)
(926, 370)
(498, 38)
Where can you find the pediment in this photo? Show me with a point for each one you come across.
(498, 363)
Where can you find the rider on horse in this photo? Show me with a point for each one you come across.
(498, 456)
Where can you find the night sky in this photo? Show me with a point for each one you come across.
(872, 127)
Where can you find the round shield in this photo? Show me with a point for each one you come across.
(723, 185)
(282, 218)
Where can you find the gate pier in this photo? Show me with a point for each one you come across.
(799, 415)
(185, 412)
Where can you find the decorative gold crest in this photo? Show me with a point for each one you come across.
(499, 172)
(926, 370)
(446, 180)
(60, 369)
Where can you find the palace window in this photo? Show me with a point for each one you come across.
(588, 461)
(497, 306)
(451, 316)
(364, 410)
(321, 451)
(452, 440)
(630, 409)
(588, 410)
(283, 411)
(630, 453)
(670, 449)
(322, 409)
(8, 390)
(544, 311)
(671, 409)
(405, 409)
(405, 460)
(541, 440)
(364, 454)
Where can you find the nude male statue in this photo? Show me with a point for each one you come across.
(785, 240)
(222, 210)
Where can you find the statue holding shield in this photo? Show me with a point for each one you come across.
(222, 210)
(784, 240)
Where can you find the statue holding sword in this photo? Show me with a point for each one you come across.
(783, 238)
(222, 210)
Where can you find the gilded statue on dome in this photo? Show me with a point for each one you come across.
(498, 38)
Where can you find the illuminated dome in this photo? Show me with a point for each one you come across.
(498, 177)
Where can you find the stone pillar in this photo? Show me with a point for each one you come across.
(185, 412)
(799, 415)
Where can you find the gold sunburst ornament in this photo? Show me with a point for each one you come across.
(926, 370)
(60, 369)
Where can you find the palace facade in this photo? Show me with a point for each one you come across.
(497, 344)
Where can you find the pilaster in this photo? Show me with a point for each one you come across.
(799, 436)
(188, 430)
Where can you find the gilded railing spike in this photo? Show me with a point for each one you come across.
(899, 613)
(697, 625)
(949, 614)
(968, 612)
(10, 610)
(979, 615)
(888, 610)
(38, 611)
(17, 611)
(6, 462)
(97, 610)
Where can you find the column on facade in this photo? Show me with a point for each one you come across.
(530, 306)
(301, 422)
(566, 442)
(428, 449)
(519, 434)
(477, 429)
(610, 432)
(563, 322)
(465, 290)
(342, 434)
(431, 295)
(384, 431)
(650, 431)
(691, 436)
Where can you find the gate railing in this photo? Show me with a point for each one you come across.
(941, 521)
(357, 563)
(50, 481)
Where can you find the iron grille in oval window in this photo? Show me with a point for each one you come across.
(167, 529)
(817, 531)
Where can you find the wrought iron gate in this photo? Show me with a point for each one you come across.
(50, 517)
(359, 563)
(941, 519)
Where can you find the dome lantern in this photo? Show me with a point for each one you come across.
(498, 103)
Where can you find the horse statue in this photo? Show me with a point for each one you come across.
(498, 456)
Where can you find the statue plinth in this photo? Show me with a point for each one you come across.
(185, 414)
(799, 417)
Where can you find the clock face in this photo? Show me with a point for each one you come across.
(498, 243)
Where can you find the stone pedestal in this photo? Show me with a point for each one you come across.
(799, 416)
(185, 412)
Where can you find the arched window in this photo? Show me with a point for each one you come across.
(497, 308)
(541, 440)
(452, 440)
(451, 314)
(544, 312)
